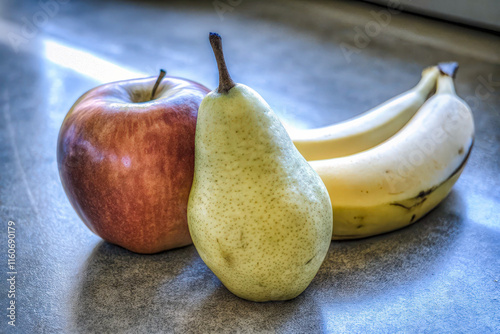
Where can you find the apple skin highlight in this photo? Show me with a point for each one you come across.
(126, 162)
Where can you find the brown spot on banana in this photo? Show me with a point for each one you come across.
(414, 202)
(346, 226)
(411, 206)
(462, 164)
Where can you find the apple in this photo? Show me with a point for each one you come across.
(125, 155)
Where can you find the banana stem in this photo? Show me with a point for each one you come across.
(428, 81)
(449, 69)
(445, 81)
(445, 85)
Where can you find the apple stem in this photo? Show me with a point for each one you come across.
(157, 83)
(225, 81)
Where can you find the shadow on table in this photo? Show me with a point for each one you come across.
(223, 312)
(117, 288)
(120, 291)
(372, 266)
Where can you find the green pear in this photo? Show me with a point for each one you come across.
(259, 215)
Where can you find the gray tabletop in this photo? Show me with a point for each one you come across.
(311, 62)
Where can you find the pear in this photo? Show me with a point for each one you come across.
(259, 216)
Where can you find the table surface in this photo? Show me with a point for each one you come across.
(311, 62)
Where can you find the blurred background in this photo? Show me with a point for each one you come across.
(316, 63)
(482, 13)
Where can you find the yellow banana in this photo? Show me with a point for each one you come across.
(366, 130)
(395, 183)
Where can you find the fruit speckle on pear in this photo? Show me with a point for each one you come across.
(259, 216)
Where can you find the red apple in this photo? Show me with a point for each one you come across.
(126, 160)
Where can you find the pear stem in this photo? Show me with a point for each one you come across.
(157, 83)
(225, 81)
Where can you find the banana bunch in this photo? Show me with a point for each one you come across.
(393, 164)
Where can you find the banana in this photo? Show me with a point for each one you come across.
(366, 130)
(397, 182)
